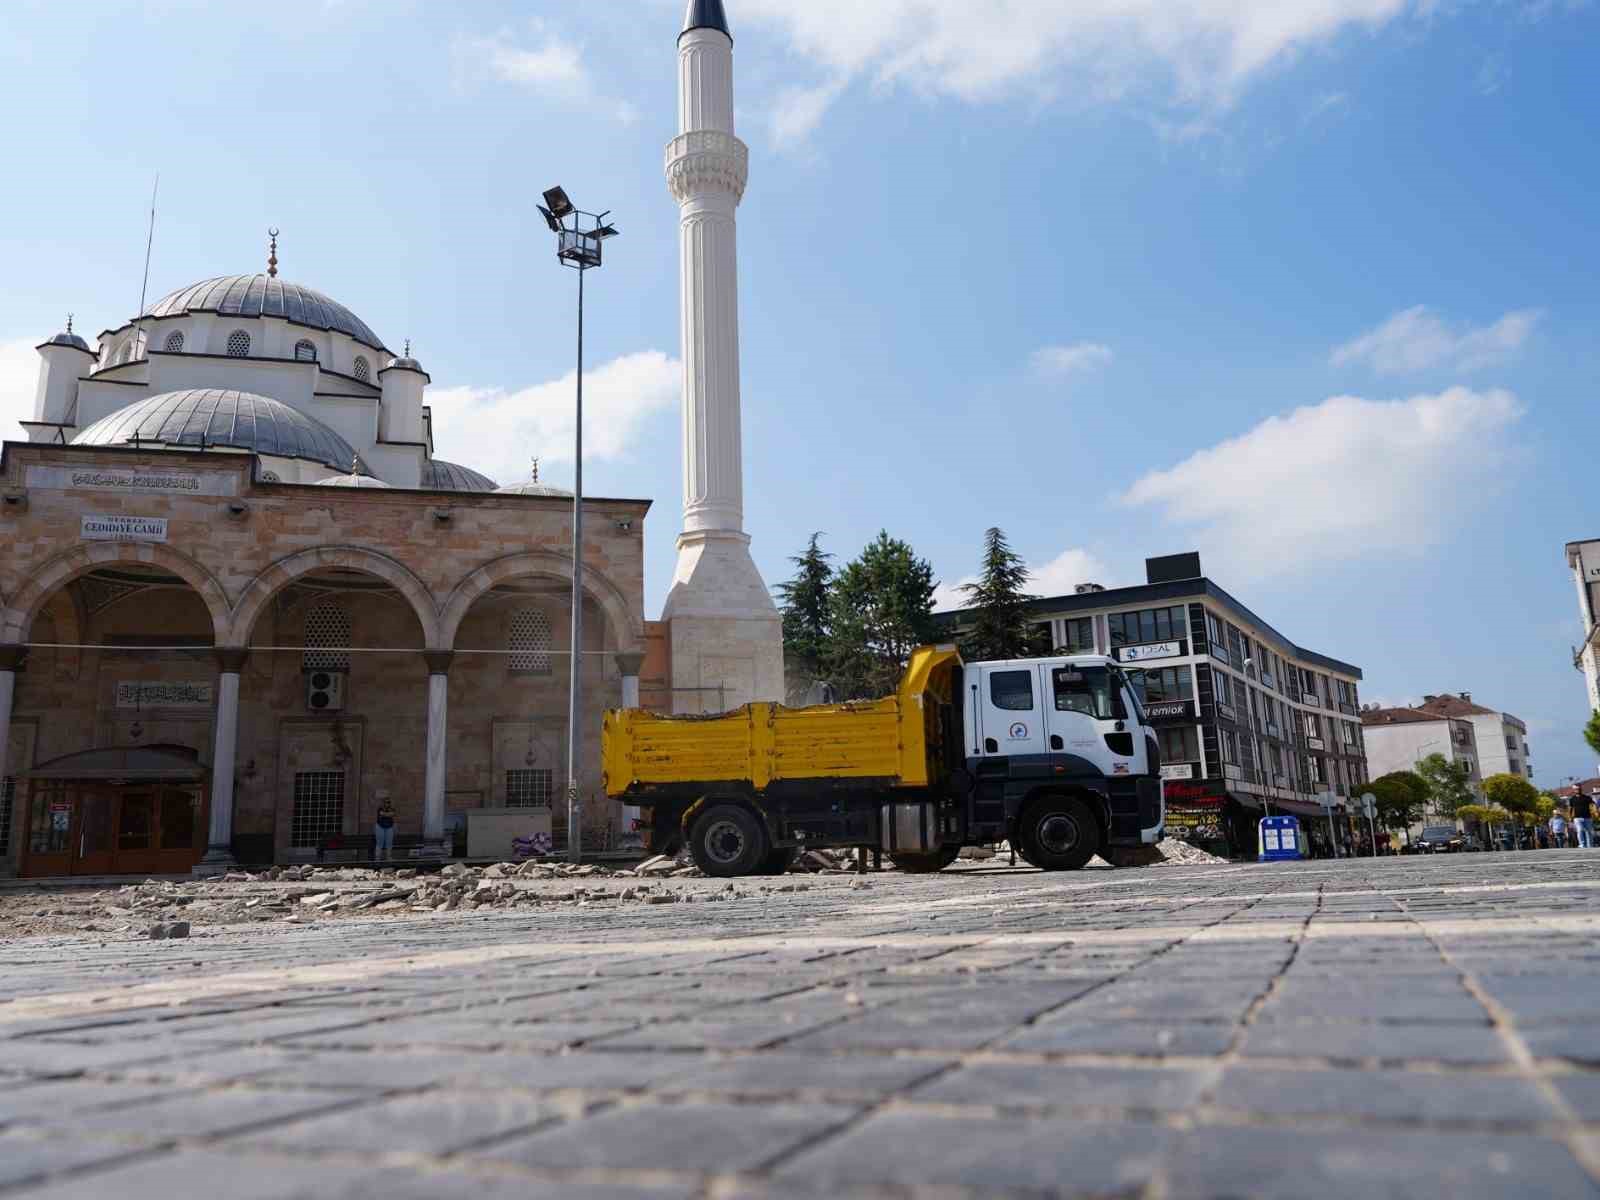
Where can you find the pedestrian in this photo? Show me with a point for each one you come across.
(1583, 819)
(383, 830)
(1558, 829)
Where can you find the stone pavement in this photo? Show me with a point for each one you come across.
(1411, 1027)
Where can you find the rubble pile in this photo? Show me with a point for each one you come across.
(1175, 853)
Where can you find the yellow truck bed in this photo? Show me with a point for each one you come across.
(898, 738)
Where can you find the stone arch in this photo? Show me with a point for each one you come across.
(629, 630)
(63, 568)
(273, 579)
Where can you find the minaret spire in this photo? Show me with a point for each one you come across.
(706, 14)
(272, 254)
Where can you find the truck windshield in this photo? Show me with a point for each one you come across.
(1086, 690)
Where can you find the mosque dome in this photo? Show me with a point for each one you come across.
(265, 295)
(354, 480)
(68, 338)
(441, 476)
(204, 417)
(532, 487)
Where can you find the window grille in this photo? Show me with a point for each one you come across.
(530, 787)
(327, 639)
(238, 344)
(362, 370)
(318, 807)
(304, 351)
(8, 795)
(529, 643)
(175, 342)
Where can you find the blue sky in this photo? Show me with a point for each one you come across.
(1306, 287)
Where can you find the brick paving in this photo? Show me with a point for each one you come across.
(1412, 1027)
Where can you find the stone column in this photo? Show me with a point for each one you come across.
(629, 662)
(438, 724)
(219, 841)
(10, 660)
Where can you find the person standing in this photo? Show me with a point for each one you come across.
(1558, 829)
(383, 831)
(1583, 819)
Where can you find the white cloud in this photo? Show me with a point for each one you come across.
(548, 65)
(1204, 52)
(1416, 339)
(799, 110)
(19, 379)
(1332, 482)
(1057, 577)
(1066, 360)
(497, 430)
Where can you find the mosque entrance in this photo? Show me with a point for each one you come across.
(116, 811)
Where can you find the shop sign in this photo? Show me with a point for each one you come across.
(1310, 698)
(1191, 793)
(1177, 770)
(146, 480)
(97, 528)
(1195, 822)
(1148, 651)
(158, 694)
(1225, 711)
(1316, 743)
(1169, 710)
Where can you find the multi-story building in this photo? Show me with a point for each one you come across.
(1400, 738)
(1502, 739)
(1248, 721)
(1583, 558)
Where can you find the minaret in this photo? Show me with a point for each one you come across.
(725, 630)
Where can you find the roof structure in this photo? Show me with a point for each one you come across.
(706, 14)
(1399, 716)
(441, 476)
(263, 295)
(206, 417)
(1454, 706)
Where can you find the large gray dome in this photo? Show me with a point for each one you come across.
(217, 417)
(265, 296)
(441, 476)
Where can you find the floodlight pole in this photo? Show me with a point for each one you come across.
(575, 695)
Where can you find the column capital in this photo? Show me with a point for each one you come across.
(438, 661)
(11, 657)
(629, 661)
(230, 659)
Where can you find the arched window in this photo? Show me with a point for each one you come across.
(362, 370)
(529, 642)
(127, 352)
(304, 351)
(174, 343)
(238, 344)
(327, 638)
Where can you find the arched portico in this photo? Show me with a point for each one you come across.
(62, 569)
(259, 592)
(627, 627)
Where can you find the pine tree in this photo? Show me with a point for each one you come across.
(881, 610)
(1001, 628)
(806, 624)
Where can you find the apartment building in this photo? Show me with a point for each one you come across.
(1583, 559)
(1502, 739)
(1401, 737)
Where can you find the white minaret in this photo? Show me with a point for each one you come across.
(725, 630)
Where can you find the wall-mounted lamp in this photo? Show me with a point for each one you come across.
(442, 515)
(624, 525)
(16, 502)
(238, 508)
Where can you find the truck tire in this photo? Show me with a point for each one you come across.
(779, 860)
(727, 840)
(913, 863)
(1058, 833)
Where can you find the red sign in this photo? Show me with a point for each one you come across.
(1203, 792)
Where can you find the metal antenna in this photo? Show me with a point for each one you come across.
(149, 241)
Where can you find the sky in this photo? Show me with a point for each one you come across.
(1306, 287)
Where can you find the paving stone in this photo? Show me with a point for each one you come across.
(1404, 1095)
(199, 1113)
(27, 1157)
(205, 1173)
(1363, 1040)
(435, 1123)
(781, 1073)
(46, 1101)
(1085, 1035)
(1062, 1085)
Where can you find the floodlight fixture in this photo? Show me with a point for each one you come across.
(606, 231)
(556, 199)
(549, 218)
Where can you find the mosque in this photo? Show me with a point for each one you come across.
(242, 604)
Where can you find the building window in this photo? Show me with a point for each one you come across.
(174, 342)
(1179, 743)
(530, 787)
(238, 344)
(1236, 652)
(8, 796)
(529, 642)
(1012, 690)
(1230, 746)
(318, 808)
(362, 370)
(1166, 685)
(1223, 687)
(305, 351)
(1077, 635)
(327, 638)
(1147, 625)
(1215, 636)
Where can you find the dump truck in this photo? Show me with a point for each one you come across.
(1051, 754)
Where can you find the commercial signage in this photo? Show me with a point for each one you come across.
(1192, 792)
(1177, 770)
(97, 528)
(1316, 743)
(1310, 698)
(1195, 821)
(150, 693)
(1148, 651)
(144, 480)
(1169, 710)
(1225, 711)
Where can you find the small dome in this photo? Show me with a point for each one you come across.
(441, 476)
(68, 338)
(404, 363)
(532, 487)
(205, 417)
(351, 481)
(265, 296)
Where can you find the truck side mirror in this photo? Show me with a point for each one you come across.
(992, 746)
(1056, 743)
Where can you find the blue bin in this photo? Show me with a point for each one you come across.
(1280, 839)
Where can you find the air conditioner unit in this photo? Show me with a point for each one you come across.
(325, 691)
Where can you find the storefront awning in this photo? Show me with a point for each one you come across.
(1300, 808)
(148, 764)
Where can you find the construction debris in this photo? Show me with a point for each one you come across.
(1175, 853)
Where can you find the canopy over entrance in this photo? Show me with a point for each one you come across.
(145, 764)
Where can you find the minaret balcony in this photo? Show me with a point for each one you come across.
(705, 160)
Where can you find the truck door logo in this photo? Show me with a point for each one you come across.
(1018, 732)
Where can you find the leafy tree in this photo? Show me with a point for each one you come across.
(1591, 732)
(1402, 798)
(1449, 785)
(880, 610)
(1001, 627)
(1514, 794)
(806, 623)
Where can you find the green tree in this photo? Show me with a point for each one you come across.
(1001, 628)
(1402, 798)
(1449, 783)
(1591, 732)
(806, 615)
(880, 610)
(1514, 794)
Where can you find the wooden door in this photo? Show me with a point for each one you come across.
(93, 843)
(52, 825)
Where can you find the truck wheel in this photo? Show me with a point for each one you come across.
(913, 863)
(779, 861)
(727, 840)
(1059, 834)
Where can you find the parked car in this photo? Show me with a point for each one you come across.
(1440, 839)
